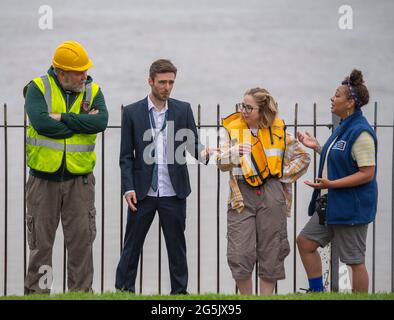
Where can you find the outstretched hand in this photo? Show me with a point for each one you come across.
(308, 141)
(208, 151)
(320, 183)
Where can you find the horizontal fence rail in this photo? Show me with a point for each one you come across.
(220, 258)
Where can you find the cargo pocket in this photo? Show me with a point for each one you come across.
(93, 179)
(92, 225)
(31, 234)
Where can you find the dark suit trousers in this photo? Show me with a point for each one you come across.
(172, 215)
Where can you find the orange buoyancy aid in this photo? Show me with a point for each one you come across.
(268, 147)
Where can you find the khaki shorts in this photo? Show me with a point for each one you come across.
(351, 239)
(258, 233)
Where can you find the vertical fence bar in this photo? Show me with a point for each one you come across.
(102, 208)
(5, 196)
(295, 211)
(159, 260)
(121, 223)
(121, 199)
(256, 277)
(375, 115)
(236, 288)
(334, 247)
(141, 268)
(218, 207)
(392, 213)
(64, 265)
(314, 134)
(159, 253)
(198, 209)
(24, 196)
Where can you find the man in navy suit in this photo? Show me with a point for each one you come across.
(156, 132)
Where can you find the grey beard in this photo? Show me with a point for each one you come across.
(75, 89)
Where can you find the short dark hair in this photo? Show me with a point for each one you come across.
(161, 66)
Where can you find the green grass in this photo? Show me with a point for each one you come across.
(207, 296)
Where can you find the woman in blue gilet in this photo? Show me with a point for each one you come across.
(345, 193)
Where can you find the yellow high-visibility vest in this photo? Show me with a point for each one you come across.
(268, 147)
(45, 154)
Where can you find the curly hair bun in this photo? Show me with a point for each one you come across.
(358, 90)
(356, 77)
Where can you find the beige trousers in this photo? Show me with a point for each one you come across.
(258, 233)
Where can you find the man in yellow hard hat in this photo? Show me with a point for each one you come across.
(66, 110)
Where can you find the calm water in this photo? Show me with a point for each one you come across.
(221, 48)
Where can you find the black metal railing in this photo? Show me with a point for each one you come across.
(5, 127)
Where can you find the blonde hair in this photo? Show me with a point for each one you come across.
(268, 108)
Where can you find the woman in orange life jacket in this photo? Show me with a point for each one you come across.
(263, 161)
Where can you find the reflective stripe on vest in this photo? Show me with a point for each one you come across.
(88, 92)
(47, 92)
(60, 146)
(273, 152)
(268, 148)
(46, 154)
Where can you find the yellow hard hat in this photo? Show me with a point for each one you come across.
(71, 56)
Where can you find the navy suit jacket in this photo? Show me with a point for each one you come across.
(136, 174)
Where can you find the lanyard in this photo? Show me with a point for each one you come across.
(153, 124)
(152, 121)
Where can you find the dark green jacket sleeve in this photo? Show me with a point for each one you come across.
(88, 123)
(39, 118)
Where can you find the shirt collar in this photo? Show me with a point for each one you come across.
(151, 105)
